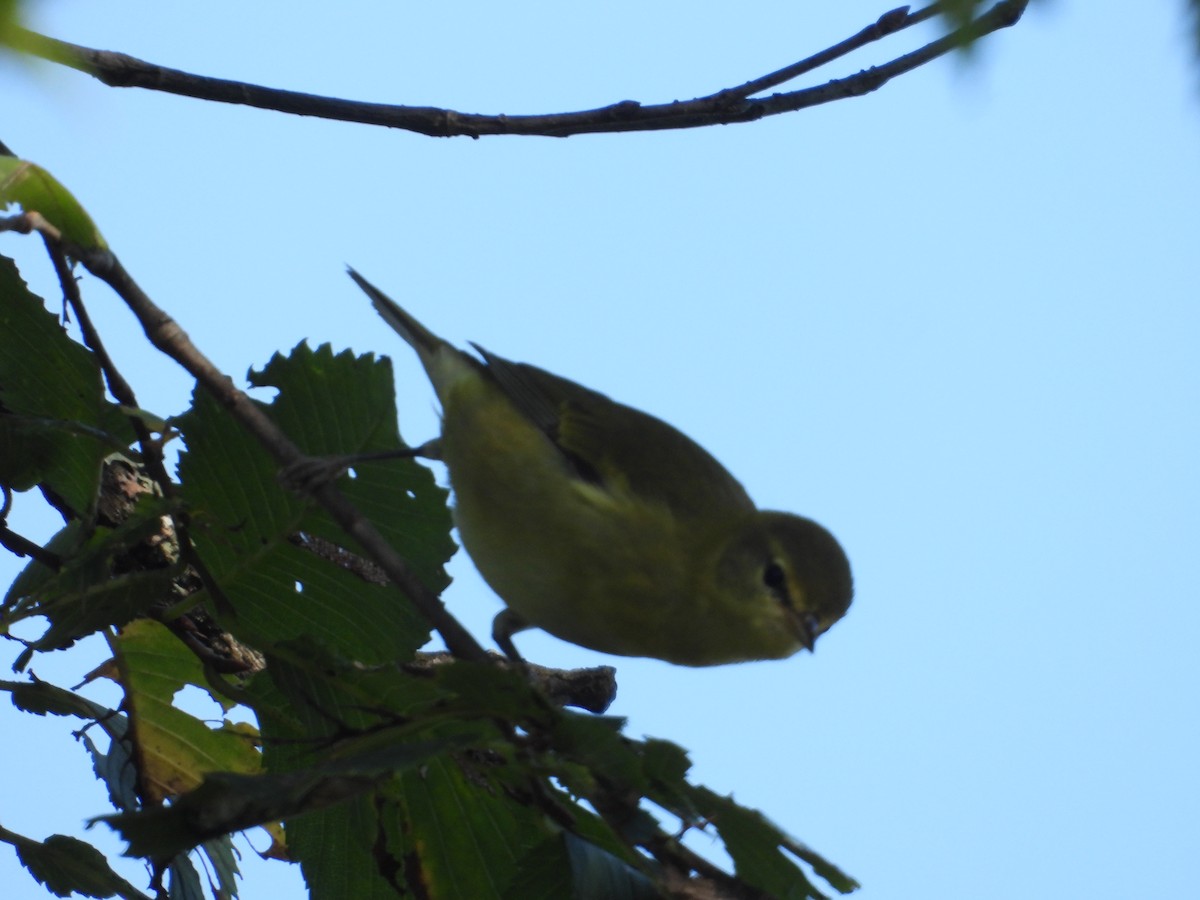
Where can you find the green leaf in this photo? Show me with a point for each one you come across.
(666, 766)
(544, 873)
(754, 843)
(244, 523)
(10, 23)
(958, 12)
(55, 424)
(224, 864)
(116, 767)
(463, 837)
(67, 865)
(597, 742)
(341, 404)
(564, 867)
(957, 18)
(85, 611)
(485, 689)
(339, 850)
(275, 591)
(35, 578)
(85, 596)
(173, 749)
(226, 802)
(36, 190)
(183, 881)
(90, 557)
(41, 698)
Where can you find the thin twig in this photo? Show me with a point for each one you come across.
(152, 455)
(725, 107)
(117, 385)
(889, 23)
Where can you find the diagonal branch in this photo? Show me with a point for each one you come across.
(166, 335)
(725, 107)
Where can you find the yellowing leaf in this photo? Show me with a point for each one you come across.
(174, 750)
(36, 190)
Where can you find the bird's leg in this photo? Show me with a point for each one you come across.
(504, 626)
(311, 472)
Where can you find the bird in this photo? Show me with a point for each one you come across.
(608, 528)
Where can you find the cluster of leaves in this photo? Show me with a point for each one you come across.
(381, 776)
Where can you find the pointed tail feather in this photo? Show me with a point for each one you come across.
(416, 335)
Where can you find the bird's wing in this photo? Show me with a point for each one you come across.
(616, 447)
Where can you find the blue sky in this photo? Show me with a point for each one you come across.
(954, 321)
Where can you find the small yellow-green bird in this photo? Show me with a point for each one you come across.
(609, 528)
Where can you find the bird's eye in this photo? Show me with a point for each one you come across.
(773, 576)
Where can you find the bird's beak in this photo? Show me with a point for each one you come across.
(807, 627)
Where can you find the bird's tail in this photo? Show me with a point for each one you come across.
(445, 364)
(416, 335)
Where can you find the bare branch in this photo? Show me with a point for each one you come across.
(593, 688)
(725, 107)
(889, 23)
